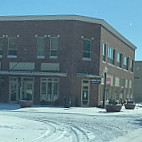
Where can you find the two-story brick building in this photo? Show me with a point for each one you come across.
(48, 58)
(138, 82)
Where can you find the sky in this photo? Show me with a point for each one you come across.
(123, 15)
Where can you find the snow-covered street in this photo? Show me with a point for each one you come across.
(76, 124)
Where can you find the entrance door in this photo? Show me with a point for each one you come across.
(85, 92)
(26, 89)
(20, 88)
(49, 89)
(13, 89)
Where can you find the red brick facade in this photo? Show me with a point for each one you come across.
(71, 31)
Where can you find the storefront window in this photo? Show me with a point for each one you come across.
(49, 89)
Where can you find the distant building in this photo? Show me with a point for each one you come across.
(49, 58)
(138, 81)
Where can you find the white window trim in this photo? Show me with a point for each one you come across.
(40, 56)
(84, 58)
(50, 56)
(11, 56)
(43, 79)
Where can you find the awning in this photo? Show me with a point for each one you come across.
(87, 75)
(33, 73)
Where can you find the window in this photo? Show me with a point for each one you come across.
(126, 83)
(49, 89)
(12, 47)
(131, 65)
(1, 47)
(40, 47)
(104, 52)
(86, 49)
(110, 55)
(130, 84)
(117, 80)
(53, 47)
(125, 63)
(119, 59)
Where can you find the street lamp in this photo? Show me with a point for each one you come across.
(104, 91)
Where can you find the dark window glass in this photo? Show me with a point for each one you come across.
(12, 46)
(40, 46)
(86, 49)
(1, 46)
(104, 52)
(53, 46)
(110, 55)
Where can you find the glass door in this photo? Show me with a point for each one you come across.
(85, 92)
(52, 88)
(27, 89)
(13, 89)
(49, 89)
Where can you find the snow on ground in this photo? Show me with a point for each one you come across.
(75, 124)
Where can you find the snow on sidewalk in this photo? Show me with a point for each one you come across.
(13, 129)
(75, 124)
(135, 136)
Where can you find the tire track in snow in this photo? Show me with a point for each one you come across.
(59, 132)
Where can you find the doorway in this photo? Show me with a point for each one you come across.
(85, 92)
(21, 88)
(26, 89)
(49, 89)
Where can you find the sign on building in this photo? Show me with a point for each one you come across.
(108, 81)
(96, 80)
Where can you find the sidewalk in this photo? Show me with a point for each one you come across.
(135, 136)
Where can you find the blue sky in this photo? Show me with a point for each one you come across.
(123, 15)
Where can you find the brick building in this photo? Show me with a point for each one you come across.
(47, 58)
(138, 82)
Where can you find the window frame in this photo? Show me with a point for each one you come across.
(104, 51)
(52, 49)
(41, 50)
(44, 95)
(131, 65)
(86, 51)
(111, 55)
(125, 62)
(9, 55)
(119, 61)
(1, 46)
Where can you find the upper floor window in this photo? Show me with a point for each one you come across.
(1, 46)
(119, 62)
(126, 63)
(40, 47)
(110, 55)
(131, 65)
(86, 49)
(53, 47)
(104, 52)
(12, 46)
